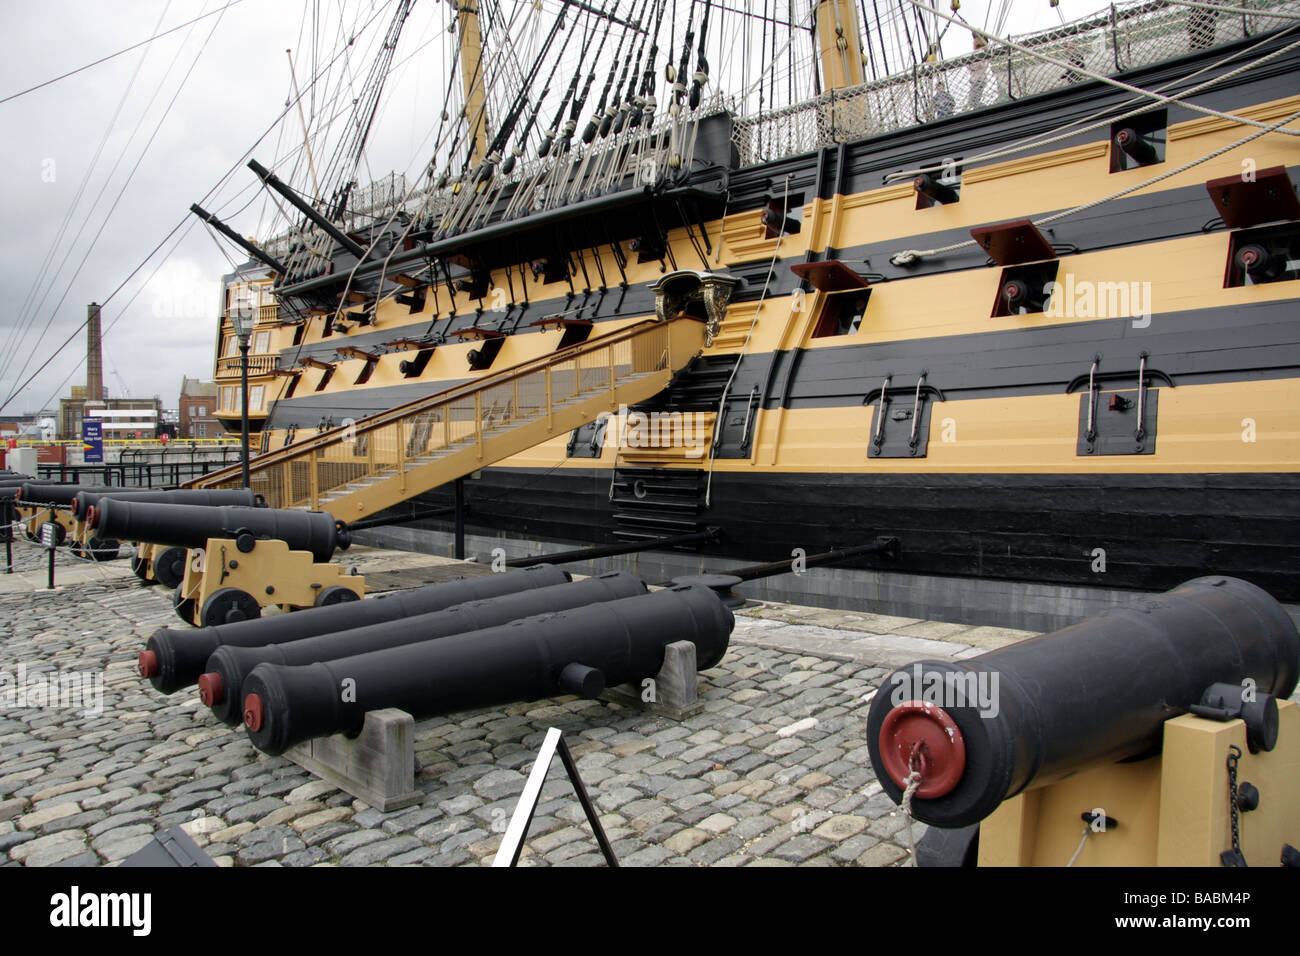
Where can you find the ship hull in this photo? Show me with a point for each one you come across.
(1129, 532)
(938, 415)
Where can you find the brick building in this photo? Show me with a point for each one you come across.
(127, 418)
(198, 406)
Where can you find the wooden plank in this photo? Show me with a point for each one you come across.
(829, 276)
(1012, 243)
(1269, 197)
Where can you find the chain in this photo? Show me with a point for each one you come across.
(1234, 857)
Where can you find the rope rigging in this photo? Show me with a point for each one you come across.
(183, 226)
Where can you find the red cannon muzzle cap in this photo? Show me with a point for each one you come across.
(253, 712)
(147, 663)
(920, 736)
(211, 690)
(92, 516)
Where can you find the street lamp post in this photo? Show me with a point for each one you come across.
(241, 318)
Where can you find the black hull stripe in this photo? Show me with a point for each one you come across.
(1195, 347)
(1156, 530)
(1252, 342)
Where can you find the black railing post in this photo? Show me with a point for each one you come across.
(460, 519)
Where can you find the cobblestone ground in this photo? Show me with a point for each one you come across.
(773, 772)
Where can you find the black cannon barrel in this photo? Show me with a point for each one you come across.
(9, 490)
(205, 497)
(55, 493)
(190, 526)
(984, 729)
(174, 658)
(221, 687)
(570, 652)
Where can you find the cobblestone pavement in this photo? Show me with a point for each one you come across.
(773, 772)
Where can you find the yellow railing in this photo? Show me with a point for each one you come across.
(172, 442)
(257, 365)
(418, 446)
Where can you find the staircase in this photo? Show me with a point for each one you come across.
(657, 502)
(659, 481)
(361, 469)
(734, 329)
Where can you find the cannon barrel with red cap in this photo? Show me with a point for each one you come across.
(580, 652)
(980, 730)
(1136, 145)
(174, 658)
(103, 548)
(204, 497)
(221, 687)
(56, 493)
(10, 486)
(190, 526)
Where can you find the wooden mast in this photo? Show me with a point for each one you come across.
(470, 37)
(839, 44)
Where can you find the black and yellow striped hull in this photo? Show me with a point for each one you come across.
(1002, 487)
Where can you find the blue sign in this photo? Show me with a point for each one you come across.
(92, 441)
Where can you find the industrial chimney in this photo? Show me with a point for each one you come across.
(94, 356)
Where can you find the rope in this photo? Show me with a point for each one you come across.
(133, 46)
(1086, 830)
(913, 783)
(378, 234)
(185, 222)
(911, 256)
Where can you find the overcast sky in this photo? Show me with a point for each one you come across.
(71, 147)
(238, 85)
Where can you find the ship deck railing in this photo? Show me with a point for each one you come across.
(1126, 37)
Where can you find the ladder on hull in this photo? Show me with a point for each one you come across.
(384, 459)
